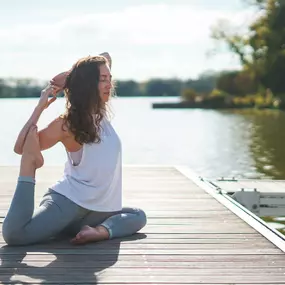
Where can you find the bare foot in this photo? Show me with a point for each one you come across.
(31, 148)
(89, 234)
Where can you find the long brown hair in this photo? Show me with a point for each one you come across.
(84, 107)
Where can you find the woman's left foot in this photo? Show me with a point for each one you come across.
(89, 234)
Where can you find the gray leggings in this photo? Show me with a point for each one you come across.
(58, 215)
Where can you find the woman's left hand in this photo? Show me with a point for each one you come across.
(58, 81)
(108, 57)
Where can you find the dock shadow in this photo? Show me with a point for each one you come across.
(59, 261)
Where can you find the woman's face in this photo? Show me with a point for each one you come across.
(105, 82)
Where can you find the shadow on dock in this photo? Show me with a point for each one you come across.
(59, 262)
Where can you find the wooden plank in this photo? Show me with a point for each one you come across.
(238, 259)
(72, 277)
(201, 229)
(144, 271)
(161, 246)
(166, 252)
(187, 221)
(59, 263)
(247, 243)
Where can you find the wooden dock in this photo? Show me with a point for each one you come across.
(194, 236)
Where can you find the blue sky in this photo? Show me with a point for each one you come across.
(146, 39)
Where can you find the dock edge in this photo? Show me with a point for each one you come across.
(251, 219)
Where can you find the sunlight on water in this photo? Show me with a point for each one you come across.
(213, 143)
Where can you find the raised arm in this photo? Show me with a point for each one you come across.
(43, 103)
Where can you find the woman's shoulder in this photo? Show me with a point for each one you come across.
(58, 123)
(53, 133)
(68, 139)
(59, 126)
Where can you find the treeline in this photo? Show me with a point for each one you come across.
(23, 88)
(262, 55)
(167, 87)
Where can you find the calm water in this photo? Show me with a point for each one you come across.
(248, 144)
(213, 143)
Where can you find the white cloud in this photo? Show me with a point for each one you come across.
(144, 33)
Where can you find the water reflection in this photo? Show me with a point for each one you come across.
(276, 222)
(267, 140)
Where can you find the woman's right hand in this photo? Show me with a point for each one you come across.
(45, 101)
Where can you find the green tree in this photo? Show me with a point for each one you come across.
(237, 83)
(262, 49)
(189, 95)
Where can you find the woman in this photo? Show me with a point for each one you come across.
(86, 202)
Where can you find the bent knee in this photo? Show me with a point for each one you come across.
(8, 234)
(11, 235)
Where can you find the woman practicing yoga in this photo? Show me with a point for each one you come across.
(87, 201)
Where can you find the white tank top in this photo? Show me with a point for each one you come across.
(76, 156)
(96, 182)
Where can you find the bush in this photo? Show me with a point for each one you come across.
(189, 95)
(218, 93)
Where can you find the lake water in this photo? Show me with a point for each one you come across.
(213, 143)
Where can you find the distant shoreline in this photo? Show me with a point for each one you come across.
(206, 105)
